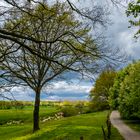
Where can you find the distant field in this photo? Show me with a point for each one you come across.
(70, 128)
(25, 115)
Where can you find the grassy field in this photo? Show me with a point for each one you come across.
(70, 128)
(25, 115)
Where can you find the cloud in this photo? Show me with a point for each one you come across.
(60, 90)
(118, 32)
(63, 86)
(58, 98)
(121, 36)
(22, 93)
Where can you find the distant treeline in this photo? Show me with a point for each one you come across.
(22, 104)
(11, 104)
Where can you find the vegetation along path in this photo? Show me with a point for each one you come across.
(125, 131)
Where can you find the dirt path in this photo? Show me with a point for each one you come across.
(124, 130)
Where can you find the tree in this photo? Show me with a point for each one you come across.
(100, 92)
(129, 96)
(134, 11)
(15, 9)
(58, 42)
(96, 15)
(124, 95)
(114, 91)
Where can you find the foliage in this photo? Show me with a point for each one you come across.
(125, 93)
(69, 111)
(66, 103)
(134, 11)
(98, 104)
(80, 106)
(129, 97)
(115, 89)
(100, 92)
(72, 108)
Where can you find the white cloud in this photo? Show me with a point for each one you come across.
(60, 90)
(120, 35)
(57, 98)
(69, 87)
(20, 93)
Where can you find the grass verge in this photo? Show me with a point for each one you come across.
(134, 124)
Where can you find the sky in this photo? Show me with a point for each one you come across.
(117, 33)
(61, 90)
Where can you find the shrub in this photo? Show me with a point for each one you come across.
(80, 107)
(98, 105)
(69, 111)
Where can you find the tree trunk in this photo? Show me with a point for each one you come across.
(36, 111)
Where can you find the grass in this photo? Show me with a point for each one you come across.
(70, 128)
(8, 132)
(134, 124)
(25, 114)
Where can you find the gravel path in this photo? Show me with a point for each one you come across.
(124, 130)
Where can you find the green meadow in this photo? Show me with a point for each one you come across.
(87, 125)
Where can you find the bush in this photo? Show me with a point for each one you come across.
(69, 111)
(80, 107)
(98, 105)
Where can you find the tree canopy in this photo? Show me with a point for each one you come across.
(100, 92)
(115, 89)
(129, 98)
(125, 93)
(15, 9)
